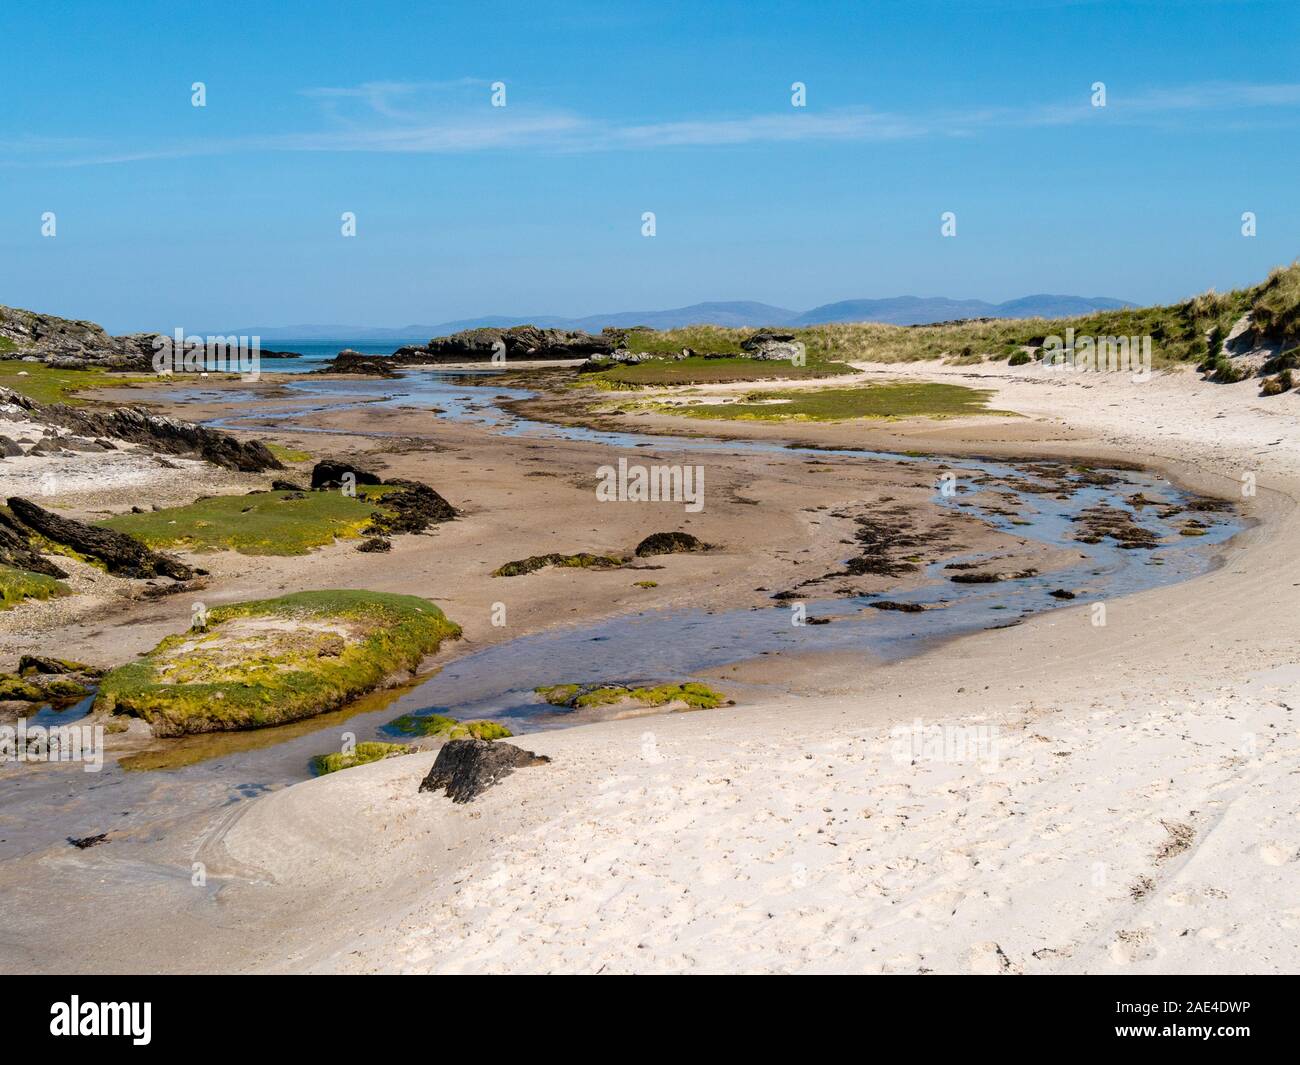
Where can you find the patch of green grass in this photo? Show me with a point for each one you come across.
(264, 523)
(895, 400)
(448, 727)
(360, 755)
(1275, 305)
(700, 371)
(19, 584)
(581, 560)
(1226, 371)
(711, 338)
(276, 660)
(645, 584)
(48, 385)
(288, 454)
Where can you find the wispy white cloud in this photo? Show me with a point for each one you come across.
(451, 117)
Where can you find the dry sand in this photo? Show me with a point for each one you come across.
(1111, 799)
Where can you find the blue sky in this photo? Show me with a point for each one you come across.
(228, 215)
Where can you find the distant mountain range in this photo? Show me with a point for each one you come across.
(899, 310)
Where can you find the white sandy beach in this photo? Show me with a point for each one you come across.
(1129, 804)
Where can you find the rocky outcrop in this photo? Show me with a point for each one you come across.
(29, 665)
(135, 425)
(774, 347)
(350, 361)
(16, 549)
(464, 769)
(121, 555)
(516, 343)
(412, 508)
(72, 344)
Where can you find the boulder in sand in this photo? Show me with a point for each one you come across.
(464, 769)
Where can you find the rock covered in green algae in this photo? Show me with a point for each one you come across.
(360, 755)
(436, 725)
(30, 685)
(30, 665)
(275, 660)
(586, 696)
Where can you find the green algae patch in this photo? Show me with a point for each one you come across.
(288, 454)
(14, 687)
(360, 755)
(261, 523)
(19, 584)
(895, 400)
(588, 696)
(448, 728)
(272, 661)
(559, 694)
(581, 560)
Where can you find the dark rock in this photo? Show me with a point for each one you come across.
(9, 449)
(158, 591)
(413, 508)
(16, 549)
(375, 543)
(906, 608)
(122, 555)
(80, 443)
(669, 543)
(46, 445)
(464, 769)
(350, 361)
(1061, 593)
(286, 486)
(88, 841)
(974, 578)
(329, 474)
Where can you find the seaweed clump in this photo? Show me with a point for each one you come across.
(581, 560)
